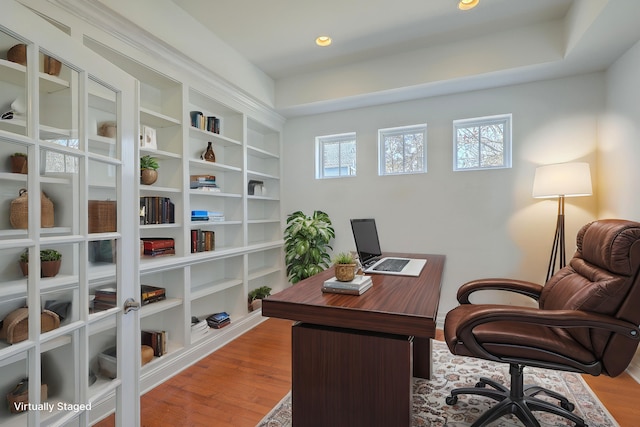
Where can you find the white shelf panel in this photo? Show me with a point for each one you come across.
(213, 287)
(261, 272)
(213, 137)
(158, 190)
(159, 306)
(255, 174)
(259, 152)
(273, 199)
(205, 165)
(160, 154)
(155, 119)
(214, 194)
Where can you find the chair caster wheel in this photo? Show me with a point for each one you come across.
(451, 400)
(568, 406)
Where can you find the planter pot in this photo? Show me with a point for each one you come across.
(47, 268)
(256, 304)
(19, 164)
(148, 176)
(345, 272)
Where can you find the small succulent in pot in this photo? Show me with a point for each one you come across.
(50, 260)
(345, 266)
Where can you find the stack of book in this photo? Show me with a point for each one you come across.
(218, 320)
(207, 216)
(215, 216)
(105, 299)
(203, 183)
(199, 216)
(157, 340)
(157, 246)
(202, 240)
(199, 328)
(149, 294)
(359, 285)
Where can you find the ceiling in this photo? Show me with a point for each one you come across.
(383, 51)
(376, 44)
(278, 35)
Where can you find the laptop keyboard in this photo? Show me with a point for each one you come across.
(391, 265)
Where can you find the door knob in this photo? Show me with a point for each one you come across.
(130, 304)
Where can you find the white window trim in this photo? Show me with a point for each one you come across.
(507, 118)
(320, 140)
(401, 129)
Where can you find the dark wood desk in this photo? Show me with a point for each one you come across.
(353, 357)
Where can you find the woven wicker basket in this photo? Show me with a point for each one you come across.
(20, 395)
(18, 54)
(102, 216)
(15, 327)
(19, 217)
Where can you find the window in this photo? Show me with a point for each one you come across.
(402, 150)
(336, 155)
(482, 143)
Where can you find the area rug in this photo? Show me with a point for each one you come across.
(449, 372)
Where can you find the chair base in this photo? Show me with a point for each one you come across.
(520, 401)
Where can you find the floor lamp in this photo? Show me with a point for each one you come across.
(561, 180)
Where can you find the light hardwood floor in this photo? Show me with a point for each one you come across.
(239, 384)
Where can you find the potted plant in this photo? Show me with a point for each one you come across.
(50, 261)
(19, 163)
(256, 296)
(345, 267)
(306, 241)
(148, 169)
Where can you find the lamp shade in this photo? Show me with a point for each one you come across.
(562, 179)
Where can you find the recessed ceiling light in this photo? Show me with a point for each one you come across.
(467, 4)
(323, 41)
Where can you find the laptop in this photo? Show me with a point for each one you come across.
(365, 235)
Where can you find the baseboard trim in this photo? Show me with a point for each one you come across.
(182, 359)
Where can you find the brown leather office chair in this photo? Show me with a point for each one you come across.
(586, 321)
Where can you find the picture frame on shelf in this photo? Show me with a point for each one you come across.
(148, 138)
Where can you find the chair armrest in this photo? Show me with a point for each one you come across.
(567, 319)
(530, 289)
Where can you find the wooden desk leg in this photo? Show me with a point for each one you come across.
(349, 378)
(422, 359)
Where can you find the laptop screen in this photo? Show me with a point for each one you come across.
(365, 235)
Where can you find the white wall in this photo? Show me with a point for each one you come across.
(620, 140)
(619, 148)
(485, 222)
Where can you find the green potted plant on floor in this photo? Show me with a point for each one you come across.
(306, 241)
(256, 296)
(345, 267)
(50, 261)
(148, 169)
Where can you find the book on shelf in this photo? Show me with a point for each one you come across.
(160, 252)
(218, 320)
(156, 210)
(104, 299)
(155, 243)
(202, 184)
(157, 340)
(202, 240)
(198, 177)
(359, 285)
(149, 294)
